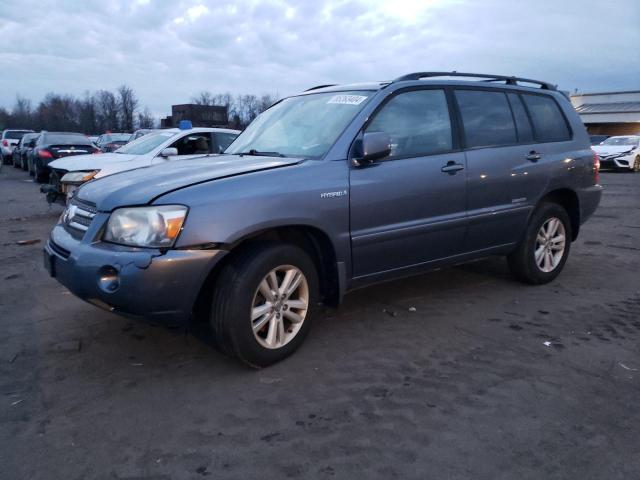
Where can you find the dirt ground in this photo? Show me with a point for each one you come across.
(486, 379)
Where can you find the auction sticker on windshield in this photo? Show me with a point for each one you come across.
(347, 99)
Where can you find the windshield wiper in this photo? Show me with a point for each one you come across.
(257, 153)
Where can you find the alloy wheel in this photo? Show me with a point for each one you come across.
(550, 244)
(279, 306)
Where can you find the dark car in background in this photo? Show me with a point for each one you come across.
(109, 142)
(597, 139)
(9, 140)
(140, 133)
(53, 145)
(19, 156)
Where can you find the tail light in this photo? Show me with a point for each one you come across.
(5, 143)
(44, 154)
(596, 168)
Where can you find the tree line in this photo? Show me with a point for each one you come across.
(93, 113)
(116, 111)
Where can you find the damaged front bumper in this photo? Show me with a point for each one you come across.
(161, 286)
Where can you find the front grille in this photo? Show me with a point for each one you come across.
(79, 215)
(63, 252)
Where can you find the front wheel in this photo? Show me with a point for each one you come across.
(542, 253)
(636, 164)
(263, 303)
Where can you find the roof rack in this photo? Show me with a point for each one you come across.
(321, 86)
(487, 78)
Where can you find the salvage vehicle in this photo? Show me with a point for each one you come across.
(331, 190)
(54, 145)
(20, 152)
(8, 140)
(620, 152)
(157, 147)
(141, 132)
(108, 142)
(597, 139)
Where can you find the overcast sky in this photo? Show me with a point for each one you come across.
(169, 50)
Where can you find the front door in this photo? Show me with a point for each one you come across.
(409, 208)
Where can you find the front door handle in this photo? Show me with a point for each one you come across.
(452, 167)
(533, 156)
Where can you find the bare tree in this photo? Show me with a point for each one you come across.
(57, 112)
(128, 104)
(88, 114)
(146, 120)
(21, 113)
(107, 110)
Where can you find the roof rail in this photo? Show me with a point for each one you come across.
(321, 86)
(487, 78)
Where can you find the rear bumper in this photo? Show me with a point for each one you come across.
(589, 201)
(161, 287)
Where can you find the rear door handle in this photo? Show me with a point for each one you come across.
(533, 156)
(452, 167)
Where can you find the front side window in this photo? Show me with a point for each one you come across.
(486, 118)
(303, 126)
(193, 144)
(417, 122)
(66, 139)
(548, 121)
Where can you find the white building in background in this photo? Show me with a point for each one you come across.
(609, 113)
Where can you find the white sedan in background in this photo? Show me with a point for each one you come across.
(157, 147)
(620, 152)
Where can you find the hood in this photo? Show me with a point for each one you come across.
(611, 149)
(142, 186)
(90, 162)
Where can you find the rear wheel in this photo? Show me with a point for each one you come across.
(263, 303)
(541, 255)
(15, 161)
(40, 176)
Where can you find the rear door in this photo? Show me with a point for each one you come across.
(503, 172)
(405, 210)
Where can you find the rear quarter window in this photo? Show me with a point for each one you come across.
(486, 118)
(548, 121)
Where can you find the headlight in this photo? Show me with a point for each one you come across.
(146, 226)
(80, 177)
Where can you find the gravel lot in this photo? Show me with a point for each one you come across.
(463, 387)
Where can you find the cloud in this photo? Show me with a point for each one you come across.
(170, 50)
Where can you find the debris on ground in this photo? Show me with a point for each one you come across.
(16, 402)
(390, 312)
(628, 368)
(28, 242)
(270, 380)
(547, 344)
(412, 309)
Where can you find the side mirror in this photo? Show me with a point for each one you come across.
(373, 146)
(169, 152)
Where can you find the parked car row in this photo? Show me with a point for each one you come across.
(156, 147)
(620, 152)
(327, 191)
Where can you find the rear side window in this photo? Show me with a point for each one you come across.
(417, 122)
(486, 118)
(548, 122)
(523, 125)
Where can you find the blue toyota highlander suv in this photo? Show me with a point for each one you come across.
(331, 190)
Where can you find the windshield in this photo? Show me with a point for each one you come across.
(621, 141)
(305, 126)
(144, 145)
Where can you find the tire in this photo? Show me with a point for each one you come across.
(23, 164)
(30, 167)
(636, 164)
(16, 162)
(237, 294)
(39, 175)
(524, 264)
